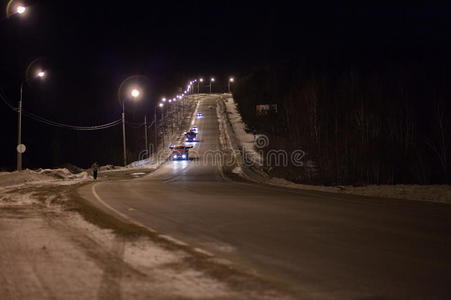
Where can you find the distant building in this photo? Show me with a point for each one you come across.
(264, 109)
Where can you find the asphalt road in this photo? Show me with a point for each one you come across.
(328, 246)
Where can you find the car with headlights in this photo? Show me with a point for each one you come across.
(190, 136)
(180, 152)
(199, 115)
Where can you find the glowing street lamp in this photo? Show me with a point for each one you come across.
(21, 9)
(198, 84)
(21, 148)
(231, 80)
(134, 93)
(211, 81)
(40, 74)
(160, 105)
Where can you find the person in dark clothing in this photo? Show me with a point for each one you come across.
(95, 169)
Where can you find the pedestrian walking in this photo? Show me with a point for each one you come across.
(95, 169)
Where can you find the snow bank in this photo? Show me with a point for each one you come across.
(246, 140)
(27, 176)
(432, 193)
(10, 179)
(63, 173)
(16, 199)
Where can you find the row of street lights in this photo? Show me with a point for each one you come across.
(212, 79)
(134, 93)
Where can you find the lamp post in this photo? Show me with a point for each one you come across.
(161, 105)
(21, 148)
(15, 8)
(198, 83)
(135, 94)
(155, 124)
(146, 136)
(211, 81)
(231, 79)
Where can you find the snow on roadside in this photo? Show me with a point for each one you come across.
(41, 176)
(13, 183)
(247, 140)
(71, 255)
(65, 256)
(16, 199)
(431, 193)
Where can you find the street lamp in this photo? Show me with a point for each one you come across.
(211, 81)
(21, 9)
(198, 83)
(160, 105)
(20, 147)
(134, 93)
(231, 79)
(16, 7)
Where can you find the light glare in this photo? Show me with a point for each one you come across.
(40, 74)
(21, 9)
(135, 93)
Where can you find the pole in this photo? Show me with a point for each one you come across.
(123, 133)
(145, 136)
(171, 112)
(210, 86)
(19, 129)
(183, 111)
(163, 126)
(229, 86)
(155, 123)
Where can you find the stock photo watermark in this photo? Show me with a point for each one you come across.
(255, 154)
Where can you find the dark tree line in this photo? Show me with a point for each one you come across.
(360, 121)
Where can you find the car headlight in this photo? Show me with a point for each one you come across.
(183, 156)
(175, 156)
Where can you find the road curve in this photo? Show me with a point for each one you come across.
(328, 246)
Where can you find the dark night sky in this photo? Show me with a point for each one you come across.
(89, 47)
